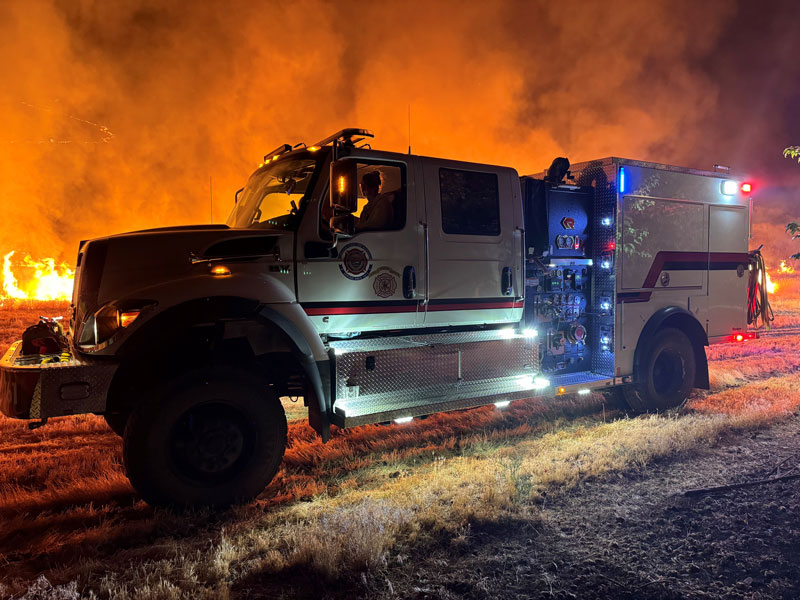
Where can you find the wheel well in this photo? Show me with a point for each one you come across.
(683, 320)
(159, 353)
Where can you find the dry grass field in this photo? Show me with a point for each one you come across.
(68, 513)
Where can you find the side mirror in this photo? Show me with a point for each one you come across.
(236, 196)
(343, 198)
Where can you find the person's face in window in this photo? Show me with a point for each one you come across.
(368, 191)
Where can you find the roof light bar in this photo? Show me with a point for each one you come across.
(282, 149)
(346, 136)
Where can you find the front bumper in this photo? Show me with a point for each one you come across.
(43, 386)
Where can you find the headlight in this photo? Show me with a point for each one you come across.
(105, 322)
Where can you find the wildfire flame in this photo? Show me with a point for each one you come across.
(42, 280)
(784, 268)
(772, 287)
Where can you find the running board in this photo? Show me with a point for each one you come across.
(377, 408)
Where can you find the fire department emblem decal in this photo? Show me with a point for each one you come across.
(356, 261)
(385, 283)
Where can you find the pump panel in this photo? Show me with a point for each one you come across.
(559, 297)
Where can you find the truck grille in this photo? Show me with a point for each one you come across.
(88, 273)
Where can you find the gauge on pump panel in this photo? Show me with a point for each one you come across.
(576, 333)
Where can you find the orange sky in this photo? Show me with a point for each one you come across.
(113, 116)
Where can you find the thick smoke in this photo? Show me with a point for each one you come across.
(116, 116)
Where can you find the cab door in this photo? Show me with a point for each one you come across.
(373, 281)
(474, 219)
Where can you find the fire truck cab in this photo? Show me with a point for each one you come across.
(382, 286)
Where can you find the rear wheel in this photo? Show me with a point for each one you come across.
(214, 438)
(665, 376)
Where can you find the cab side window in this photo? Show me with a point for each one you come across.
(470, 202)
(381, 198)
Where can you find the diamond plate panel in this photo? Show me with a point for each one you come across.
(95, 377)
(399, 369)
(602, 175)
(408, 406)
(91, 380)
(379, 381)
(385, 407)
(491, 359)
(415, 341)
(581, 378)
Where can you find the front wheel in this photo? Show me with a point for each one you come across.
(205, 439)
(665, 376)
(117, 421)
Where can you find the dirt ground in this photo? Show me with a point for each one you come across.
(640, 537)
(634, 535)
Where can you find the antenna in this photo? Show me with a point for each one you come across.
(409, 128)
(210, 200)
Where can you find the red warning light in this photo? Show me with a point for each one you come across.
(741, 337)
(747, 188)
(612, 245)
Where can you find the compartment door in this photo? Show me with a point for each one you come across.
(728, 274)
(664, 246)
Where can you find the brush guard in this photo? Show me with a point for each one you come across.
(39, 386)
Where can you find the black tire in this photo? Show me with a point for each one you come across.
(117, 422)
(205, 439)
(666, 373)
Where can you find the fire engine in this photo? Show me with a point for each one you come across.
(477, 286)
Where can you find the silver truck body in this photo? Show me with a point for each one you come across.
(562, 288)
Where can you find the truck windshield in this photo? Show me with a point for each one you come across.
(273, 194)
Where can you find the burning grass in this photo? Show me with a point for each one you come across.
(43, 279)
(68, 511)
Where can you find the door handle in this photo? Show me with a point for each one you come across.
(507, 282)
(409, 282)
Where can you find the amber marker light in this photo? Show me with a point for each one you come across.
(342, 182)
(313, 148)
(128, 317)
(220, 270)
